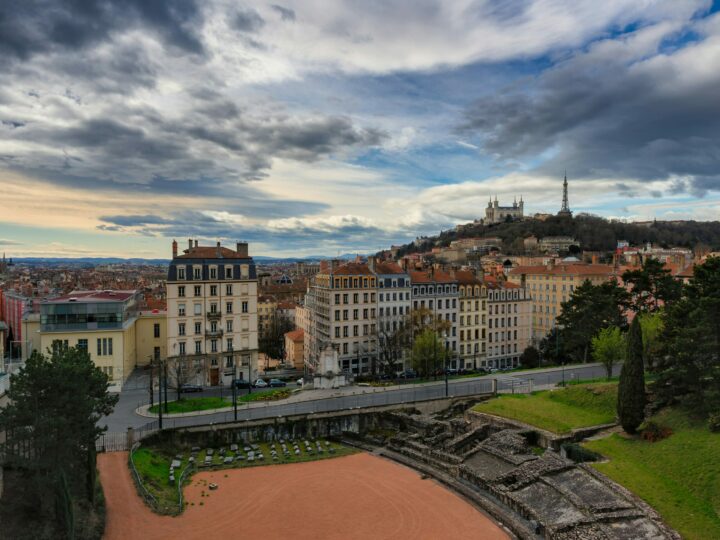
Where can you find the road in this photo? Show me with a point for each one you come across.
(135, 394)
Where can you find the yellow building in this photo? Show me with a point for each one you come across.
(267, 306)
(101, 322)
(294, 353)
(551, 285)
(151, 336)
(472, 319)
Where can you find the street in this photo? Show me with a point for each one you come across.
(135, 394)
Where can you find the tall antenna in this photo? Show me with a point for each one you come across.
(565, 209)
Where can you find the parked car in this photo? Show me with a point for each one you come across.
(242, 383)
(408, 374)
(260, 384)
(277, 383)
(190, 388)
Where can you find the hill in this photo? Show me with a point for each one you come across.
(594, 233)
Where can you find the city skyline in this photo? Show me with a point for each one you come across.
(306, 129)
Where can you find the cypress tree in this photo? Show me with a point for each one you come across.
(631, 390)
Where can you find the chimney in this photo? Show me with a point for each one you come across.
(174, 249)
(217, 250)
(189, 243)
(371, 263)
(196, 243)
(242, 249)
(595, 259)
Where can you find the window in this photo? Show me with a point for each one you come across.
(181, 273)
(82, 344)
(228, 290)
(156, 330)
(228, 307)
(198, 309)
(213, 272)
(345, 298)
(229, 325)
(356, 298)
(337, 331)
(110, 351)
(198, 347)
(182, 348)
(229, 361)
(156, 353)
(213, 308)
(345, 348)
(337, 314)
(213, 290)
(355, 330)
(181, 329)
(197, 273)
(181, 310)
(99, 347)
(213, 345)
(197, 290)
(181, 291)
(345, 314)
(229, 343)
(356, 315)
(228, 273)
(337, 299)
(198, 328)
(244, 307)
(345, 331)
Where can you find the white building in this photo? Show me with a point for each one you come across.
(212, 312)
(394, 304)
(509, 323)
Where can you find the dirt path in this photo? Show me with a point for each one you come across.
(353, 497)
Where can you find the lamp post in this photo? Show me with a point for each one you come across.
(160, 407)
(557, 351)
(150, 358)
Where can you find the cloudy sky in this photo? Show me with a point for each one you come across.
(316, 127)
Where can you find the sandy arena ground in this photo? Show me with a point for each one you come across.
(352, 497)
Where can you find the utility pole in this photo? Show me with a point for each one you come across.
(152, 368)
(165, 376)
(160, 407)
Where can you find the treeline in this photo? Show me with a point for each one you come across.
(594, 233)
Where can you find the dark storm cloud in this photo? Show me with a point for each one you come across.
(602, 116)
(286, 14)
(33, 27)
(248, 20)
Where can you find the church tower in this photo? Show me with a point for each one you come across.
(565, 210)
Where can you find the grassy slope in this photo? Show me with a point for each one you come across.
(558, 411)
(678, 476)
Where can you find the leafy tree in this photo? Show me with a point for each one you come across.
(552, 348)
(652, 328)
(428, 352)
(651, 286)
(689, 372)
(55, 403)
(590, 309)
(608, 348)
(530, 358)
(272, 340)
(631, 390)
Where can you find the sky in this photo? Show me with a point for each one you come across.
(318, 128)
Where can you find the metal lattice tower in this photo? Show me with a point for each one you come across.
(565, 210)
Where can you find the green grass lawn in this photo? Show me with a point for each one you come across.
(559, 411)
(206, 403)
(153, 464)
(678, 476)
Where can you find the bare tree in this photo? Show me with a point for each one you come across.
(180, 372)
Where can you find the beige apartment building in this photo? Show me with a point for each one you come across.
(552, 284)
(472, 319)
(509, 328)
(343, 302)
(212, 317)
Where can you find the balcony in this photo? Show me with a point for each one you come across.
(213, 333)
(214, 315)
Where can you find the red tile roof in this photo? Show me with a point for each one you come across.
(566, 269)
(352, 269)
(427, 276)
(388, 268)
(296, 335)
(467, 277)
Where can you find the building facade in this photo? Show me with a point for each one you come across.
(437, 291)
(509, 328)
(552, 284)
(393, 308)
(212, 316)
(472, 323)
(294, 349)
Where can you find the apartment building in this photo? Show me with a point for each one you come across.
(267, 305)
(343, 301)
(509, 323)
(212, 312)
(472, 322)
(437, 290)
(393, 305)
(303, 321)
(552, 284)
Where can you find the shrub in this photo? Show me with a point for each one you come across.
(654, 432)
(714, 422)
